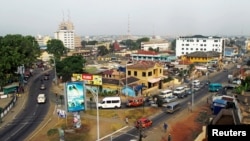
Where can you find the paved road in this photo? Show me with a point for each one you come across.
(31, 115)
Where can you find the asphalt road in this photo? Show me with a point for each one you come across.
(31, 116)
(133, 133)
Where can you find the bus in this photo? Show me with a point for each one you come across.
(214, 87)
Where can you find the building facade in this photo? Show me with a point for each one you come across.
(150, 73)
(189, 44)
(161, 46)
(66, 33)
(143, 55)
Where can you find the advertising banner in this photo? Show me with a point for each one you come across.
(75, 95)
(92, 79)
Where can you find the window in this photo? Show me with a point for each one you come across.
(187, 44)
(197, 40)
(182, 52)
(191, 48)
(135, 73)
(115, 101)
(160, 71)
(182, 48)
(150, 73)
(215, 40)
(108, 101)
(186, 48)
(129, 72)
(144, 74)
(204, 40)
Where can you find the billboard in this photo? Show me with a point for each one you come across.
(75, 96)
(89, 79)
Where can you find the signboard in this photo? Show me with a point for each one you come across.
(75, 96)
(89, 79)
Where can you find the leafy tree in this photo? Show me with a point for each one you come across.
(92, 42)
(16, 50)
(68, 66)
(83, 43)
(56, 48)
(111, 48)
(102, 50)
(173, 45)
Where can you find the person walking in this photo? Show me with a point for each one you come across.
(126, 120)
(165, 126)
(169, 137)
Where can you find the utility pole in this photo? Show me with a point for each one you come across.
(140, 131)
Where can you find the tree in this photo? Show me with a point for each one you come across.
(173, 45)
(16, 50)
(68, 66)
(56, 48)
(83, 43)
(102, 50)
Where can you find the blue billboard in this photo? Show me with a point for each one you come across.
(75, 96)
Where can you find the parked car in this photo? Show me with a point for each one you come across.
(42, 87)
(170, 99)
(143, 122)
(179, 90)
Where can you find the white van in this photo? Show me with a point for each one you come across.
(110, 102)
(166, 93)
(179, 90)
(173, 107)
(41, 98)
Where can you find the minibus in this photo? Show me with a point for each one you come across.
(173, 107)
(214, 87)
(110, 102)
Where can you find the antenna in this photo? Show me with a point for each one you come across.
(128, 27)
(63, 15)
(68, 15)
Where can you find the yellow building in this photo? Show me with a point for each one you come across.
(202, 57)
(148, 72)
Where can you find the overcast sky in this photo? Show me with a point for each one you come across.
(115, 17)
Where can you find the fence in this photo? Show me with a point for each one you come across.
(7, 108)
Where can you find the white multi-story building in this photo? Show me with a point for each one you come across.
(42, 40)
(66, 34)
(162, 46)
(188, 44)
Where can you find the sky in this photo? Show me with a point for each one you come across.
(123, 17)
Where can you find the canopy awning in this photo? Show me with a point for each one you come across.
(154, 80)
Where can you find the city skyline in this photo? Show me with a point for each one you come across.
(123, 17)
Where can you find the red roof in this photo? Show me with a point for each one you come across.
(146, 52)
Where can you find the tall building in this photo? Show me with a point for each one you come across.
(189, 44)
(66, 33)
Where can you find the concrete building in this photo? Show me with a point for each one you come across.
(152, 56)
(189, 44)
(162, 46)
(66, 33)
(42, 40)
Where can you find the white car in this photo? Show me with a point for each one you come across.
(41, 98)
(196, 82)
(179, 90)
(170, 99)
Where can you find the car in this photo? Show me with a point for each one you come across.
(170, 99)
(46, 77)
(182, 95)
(42, 87)
(179, 90)
(196, 82)
(143, 123)
(41, 98)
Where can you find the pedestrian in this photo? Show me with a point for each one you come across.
(126, 120)
(165, 126)
(169, 137)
